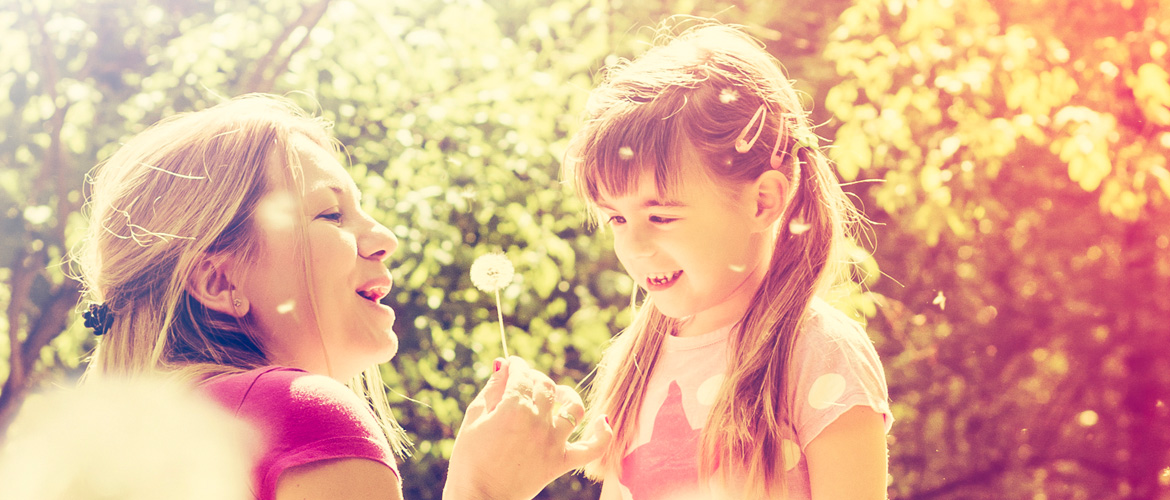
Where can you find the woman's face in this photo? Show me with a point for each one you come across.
(349, 330)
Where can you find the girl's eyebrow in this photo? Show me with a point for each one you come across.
(650, 203)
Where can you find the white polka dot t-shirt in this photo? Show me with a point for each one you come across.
(835, 368)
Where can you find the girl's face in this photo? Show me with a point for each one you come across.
(347, 277)
(698, 255)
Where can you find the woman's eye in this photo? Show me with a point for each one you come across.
(617, 219)
(331, 216)
(658, 219)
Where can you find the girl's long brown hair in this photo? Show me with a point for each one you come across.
(701, 89)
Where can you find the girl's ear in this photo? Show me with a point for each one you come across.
(771, 198)
(213, 284)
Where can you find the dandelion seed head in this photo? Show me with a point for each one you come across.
(625, 153)
(728, 96)
(491, 272)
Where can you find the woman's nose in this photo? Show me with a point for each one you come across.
(378, 242)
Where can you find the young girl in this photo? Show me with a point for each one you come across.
(229, 247)
(735, 379)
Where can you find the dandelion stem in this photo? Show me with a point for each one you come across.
(500, 315)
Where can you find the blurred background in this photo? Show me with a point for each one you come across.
(1012, 154)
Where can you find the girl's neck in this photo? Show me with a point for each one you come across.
(706, 323)
(727, 312)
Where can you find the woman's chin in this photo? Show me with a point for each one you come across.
(392, 349)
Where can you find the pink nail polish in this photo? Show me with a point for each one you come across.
(496, 365)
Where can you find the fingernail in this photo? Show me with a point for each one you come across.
(496, 365)
(606, 417)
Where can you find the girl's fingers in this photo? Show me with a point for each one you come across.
(569, 410)
(546, 393)
(590, 447)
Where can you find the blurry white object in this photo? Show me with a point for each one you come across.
(131, 440)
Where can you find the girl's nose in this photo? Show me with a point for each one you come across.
(635, 243)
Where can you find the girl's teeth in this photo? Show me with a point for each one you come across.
(661, 279)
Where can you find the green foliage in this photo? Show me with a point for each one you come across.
(1020, 148)
(454, 115)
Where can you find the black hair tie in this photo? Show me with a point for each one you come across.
(98, 317)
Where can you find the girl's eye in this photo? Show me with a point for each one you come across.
(617, 219)
(657, 219)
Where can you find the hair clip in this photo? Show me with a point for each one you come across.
(98, 318)
(777, 160)
(804, 139)
(742, 145)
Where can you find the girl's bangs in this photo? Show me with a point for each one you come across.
(626, 144)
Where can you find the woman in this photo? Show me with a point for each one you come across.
(228, 247)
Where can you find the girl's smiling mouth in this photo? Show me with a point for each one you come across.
(662, 281)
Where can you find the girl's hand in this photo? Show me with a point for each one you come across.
(514, 437)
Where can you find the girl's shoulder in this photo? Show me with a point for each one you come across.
(836, 368)
(827, 324)
(835, 353)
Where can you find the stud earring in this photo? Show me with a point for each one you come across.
(238, 303)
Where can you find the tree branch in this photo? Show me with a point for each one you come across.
(977, 477)
(49, 324)
(26, 267)
(21, 284)
(261, 80)
(52, 320)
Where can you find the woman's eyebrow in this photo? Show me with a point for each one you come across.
(336, 188)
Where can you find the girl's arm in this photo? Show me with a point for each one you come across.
(849, 459)
(344, 478)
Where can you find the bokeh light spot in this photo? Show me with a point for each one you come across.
(286, 307)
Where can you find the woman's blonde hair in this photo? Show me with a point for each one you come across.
(186, 188)
(705, 89)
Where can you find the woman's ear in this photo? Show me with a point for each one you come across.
(771, 198)
(213, 284)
